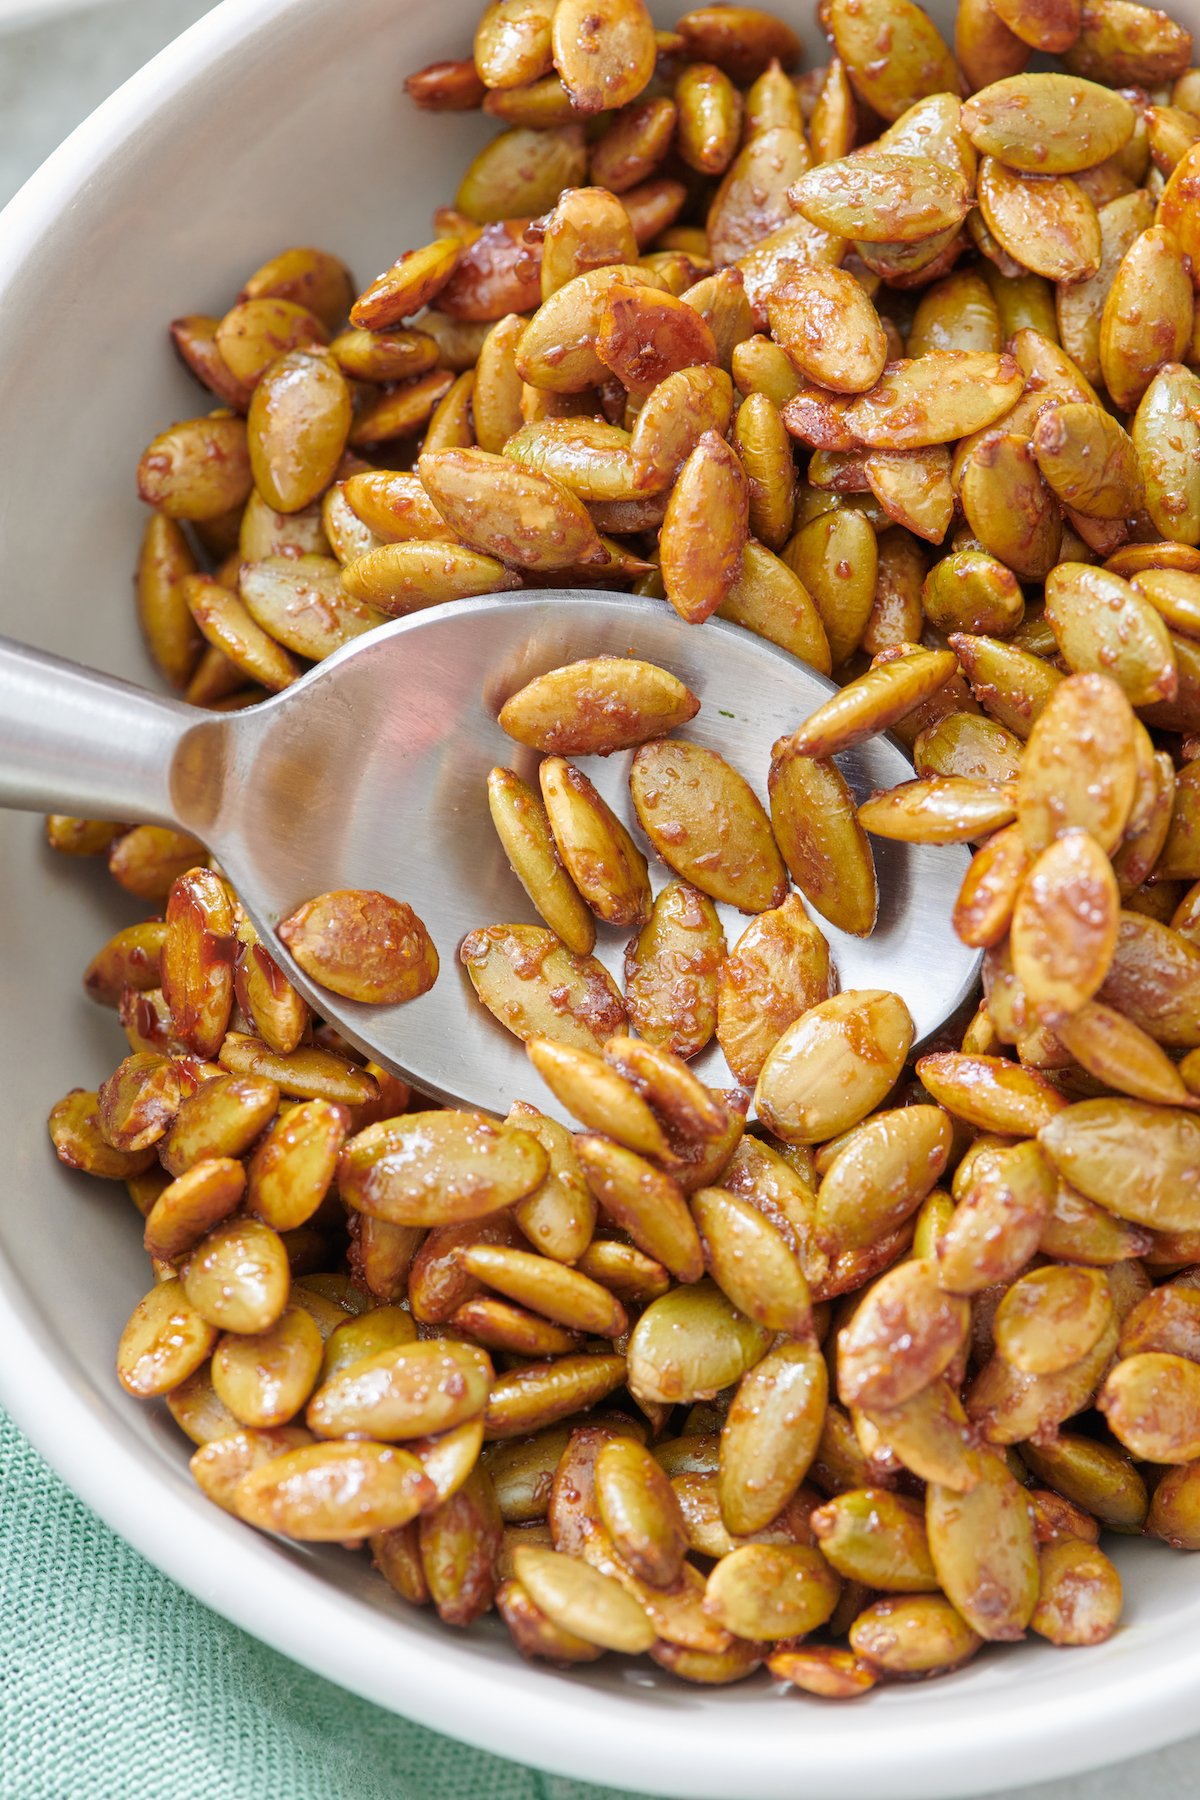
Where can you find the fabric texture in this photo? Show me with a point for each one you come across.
(117, 1685)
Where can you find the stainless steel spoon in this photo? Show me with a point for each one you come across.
(370, 772)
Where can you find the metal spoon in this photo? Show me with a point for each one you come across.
(370, 772)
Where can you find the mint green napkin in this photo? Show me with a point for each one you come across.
(116, 1685)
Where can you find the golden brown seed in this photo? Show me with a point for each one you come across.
(536, 987)
(771, 1434)
(1064, 928)
(291, 1169)
(406, 1390)
(673, 419)
(595, 849)
(265, 1380)
(778, 969)
(984, 908)
(524, 830)
(671, 971)
(875, 1537)
(1152, 1404)
(231, 629)
(1080, 1594)
(983, 1548)
(1132, 1159)
(529, 521)
(644, 1201)
(768, 1591)
(138, 1101)
(690, 1344)
(1080, 764)
(546, 1287)
(596, 706)
(581, 1600)
(1147, 318)
(881, 1175)
(541, 1393)
(709, 118)
(704, 529)
(1103, 625)
(870, 704)
(222, 1118)
(826, 850)
(752, 1262)
(188, 1208)
(639, 1510)
(1052, 1317)
(768, 598)
(297, 428)
(1174, 1514)
(989, 1092)
(934, 398)
(821, 1669)
(363, 945)
(383, 1328)
(333, 1492)
(921, 1634)
(834, 1065)
(765, 451)
(308, 1073)
(645, 335)
(163, 613)
(197, 470)
(999, 1220)
(164, 1342)
(829, 328)
(904, 1335)
(130, 958)
(197, 960)
(237, 1276)
(707, 824)
(439, 1168)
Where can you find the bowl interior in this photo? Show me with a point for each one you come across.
(277, 122)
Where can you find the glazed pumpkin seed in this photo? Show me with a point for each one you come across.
(1064, 928)
(828, 327)
(582, 1601)
(130, 958)
(881, 1176)
(751, 1262)
(833, 1065)
(990, 1093)
(188, 1208)
(522, 171)
(221, 1462)
(1166, 434)
(984, 908)
(1009, 506)
(892, 52)
(878, 1538)
(165, 1341)
(645, 335)
(704, 529)
(595, 849)
(878, 197)
(919, 1634)
(524, 831)
(195, 339)
(264, 1380)
(459, 1544)
(1130, 1158)
(363, 945)
(643, 1201)
(1048, 124)
(301, 602)
(1079, 305)
(1147, 317)
(933, 398)
(297, 428)
(383, 1328)
(80, 837)
(536, 987)
(410, 284)
(1101, 624)
(1051, 1317)
(765, 452)
(1089, 460)
(237, 1276)
(498, 1325)
(437, 1283)
(957, 313)
(913, 487)
(761, 367)
(530, 521)
(550, 1288)
(983, 1548)
(836, 558)
(230, 628)
(394, 505)
(307, 1073)
(163, 613)
(667, 1085)
(222, 1119)
(1155, 981)
(872, 703)
(1011, 684)
(690, 1344)
(438, 1168)
(598, 1095)
(999, 1221)
(1166, 1319)
(633, 144)
(197, 1411)
(821, 1669)
(1173, 1512)
(557, 348)
(906, 1307)
(768, 1591)
(752, 199)
(197, 470)
(638, 1508)
(689, 802)
(968, 744)
(826, 850)
(947, 809)
(1151, 1402)
(589, 457)
(539, 1394)
(1120, 41)
(1118, 1053)
(1080, 765)
(407, 1390)
(778, 969)
(254, 332)
(403, 578)
(629, 1273)
(138, 1102)
(197, 961)
(1174, 594)
(334, 1492)
(291, 1169)
(930, 1434)
(671, 971)
(1079, 1594)
(1092, 1475)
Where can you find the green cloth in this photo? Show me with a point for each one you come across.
(117, 1685)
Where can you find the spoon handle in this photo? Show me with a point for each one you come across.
(76, 742)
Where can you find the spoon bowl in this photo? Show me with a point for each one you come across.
(371, 771)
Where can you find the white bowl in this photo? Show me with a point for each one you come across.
(274, 122)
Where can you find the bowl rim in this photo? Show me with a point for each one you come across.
(1136, 1699)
